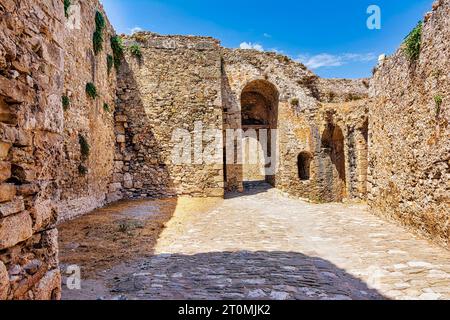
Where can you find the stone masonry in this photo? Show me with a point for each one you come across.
(77, 133)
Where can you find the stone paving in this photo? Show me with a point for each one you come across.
(264, 245)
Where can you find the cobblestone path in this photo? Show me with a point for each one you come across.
(264, 245)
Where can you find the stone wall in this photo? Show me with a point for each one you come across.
(409, 133)
(86, 179)
(31, 145)
(302, 118)
(172, 86)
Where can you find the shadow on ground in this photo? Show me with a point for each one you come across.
(233, 276)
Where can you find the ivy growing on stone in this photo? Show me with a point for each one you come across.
(413, 42)
(106, 107)
(84, 147)
(65, 102)
(109, 63)
(117, 48)
(91, 90)
(98, 33)
(67, 4)
(136, 51)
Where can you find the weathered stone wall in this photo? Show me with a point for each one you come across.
(83, 191)
(302, 119)
(409, 133)
(31, 141)
(176, 83)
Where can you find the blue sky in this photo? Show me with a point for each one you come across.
(330, 36)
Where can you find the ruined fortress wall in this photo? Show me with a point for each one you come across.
(176, 83)
(31, 143)
(85, 179)
(302, 118)
(409, 133)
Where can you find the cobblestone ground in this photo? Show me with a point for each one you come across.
(264, 245)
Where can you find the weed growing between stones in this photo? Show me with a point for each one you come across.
(98, 33)
(91, 90)
(295, 102)
(438, 100)
(66, 7)
(106, 107)
(109, 63)
(82, 170)
(136, 51)
(84, 147)
(413, 42)
(65, 102)
(117, 48)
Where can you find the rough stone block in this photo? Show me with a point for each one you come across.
(4, 150)
(24, 173)
(15, 229)
(4, 282)
(5, 170)
(12, 207)
(49, 287)
(7, 192)
(44, 215)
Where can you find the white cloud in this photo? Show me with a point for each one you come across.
(333, 60)
(266, 35)
(251, 46)
(136, 29)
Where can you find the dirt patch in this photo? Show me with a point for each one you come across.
(117, 233)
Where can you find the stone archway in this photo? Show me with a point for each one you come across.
(259, 114)
(333, 143)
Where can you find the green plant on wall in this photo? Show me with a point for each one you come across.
(98, 33)
(413, 42)
(97, 41)
(106, 107)
(295, 102)
(109, 63)
(84, 147)
(136, 51)
(66, 7)
(65, 102)
(438, 100)
(82, 170)
(117, 48)
(91, 90)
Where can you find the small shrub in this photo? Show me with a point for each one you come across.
(84, 147)
(413, 42)
(65, 102)
(109, 63)
(438, 100)
(136, 51)
(82, 170)
(99, 21)
(91, 90)
(117, 48)
(106, 107)
(295, 102)
(97, 41)
(331, 95)
(66, 7)
(140, 37)
(98, 33)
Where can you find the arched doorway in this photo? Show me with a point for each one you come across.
(259, 114)
(334, 145)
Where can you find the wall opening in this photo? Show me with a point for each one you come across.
(259, 112)
(334, 145)
(304, 166)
